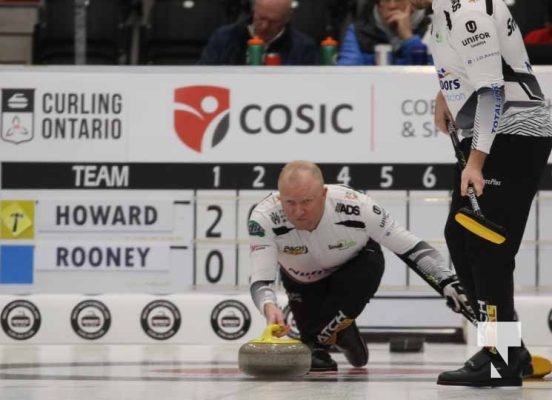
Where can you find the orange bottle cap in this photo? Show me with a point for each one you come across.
(255, 40)
(329, 41)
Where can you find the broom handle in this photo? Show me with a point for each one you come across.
(462, 162)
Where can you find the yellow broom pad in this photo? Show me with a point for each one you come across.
(478, 229)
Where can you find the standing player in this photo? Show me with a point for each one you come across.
(324, 241)
(489, 91)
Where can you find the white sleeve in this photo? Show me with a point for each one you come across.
(263, 254)
(420, 256)
(475, 39)
(263, 251)
(385, 230)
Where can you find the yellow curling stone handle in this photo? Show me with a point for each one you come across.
(268, 336)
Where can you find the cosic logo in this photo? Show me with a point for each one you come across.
(230, 319)
(302, 118)
(20, 319)
(201, 116)
(90, 319)
(160, 319)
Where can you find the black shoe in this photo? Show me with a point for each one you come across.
(526, 363)
(352, 345)
(477, 371)
(322, 361)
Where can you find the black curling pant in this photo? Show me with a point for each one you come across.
(512, 172)
(345, 292)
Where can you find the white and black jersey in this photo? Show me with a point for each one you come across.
(484, 71)
(350, 220)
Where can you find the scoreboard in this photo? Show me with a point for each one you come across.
(141, 180)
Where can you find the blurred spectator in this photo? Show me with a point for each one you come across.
(392, 22)
(542, 35)
(270, 22)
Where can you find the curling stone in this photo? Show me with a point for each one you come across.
(270, 357)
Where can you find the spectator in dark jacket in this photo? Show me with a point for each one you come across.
(392, 22)
(270, 22)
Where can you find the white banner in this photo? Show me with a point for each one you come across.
(339, 114)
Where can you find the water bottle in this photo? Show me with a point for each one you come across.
(255, 51)
(328, 51)
(383, 54)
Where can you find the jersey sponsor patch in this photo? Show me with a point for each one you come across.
(347, 209)
(256, 247)
(296, 250)
(255, 229)
(278, 217)
(476, 40)
(471, 26)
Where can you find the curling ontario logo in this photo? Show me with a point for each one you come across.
(16, 122)
(201, 116)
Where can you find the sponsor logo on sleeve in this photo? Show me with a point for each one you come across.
(296, 250)
(278, 217)
(347, 209)
(497, 93)
(471, 26)
(476, 40)
(256, 247)
(255, 229)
